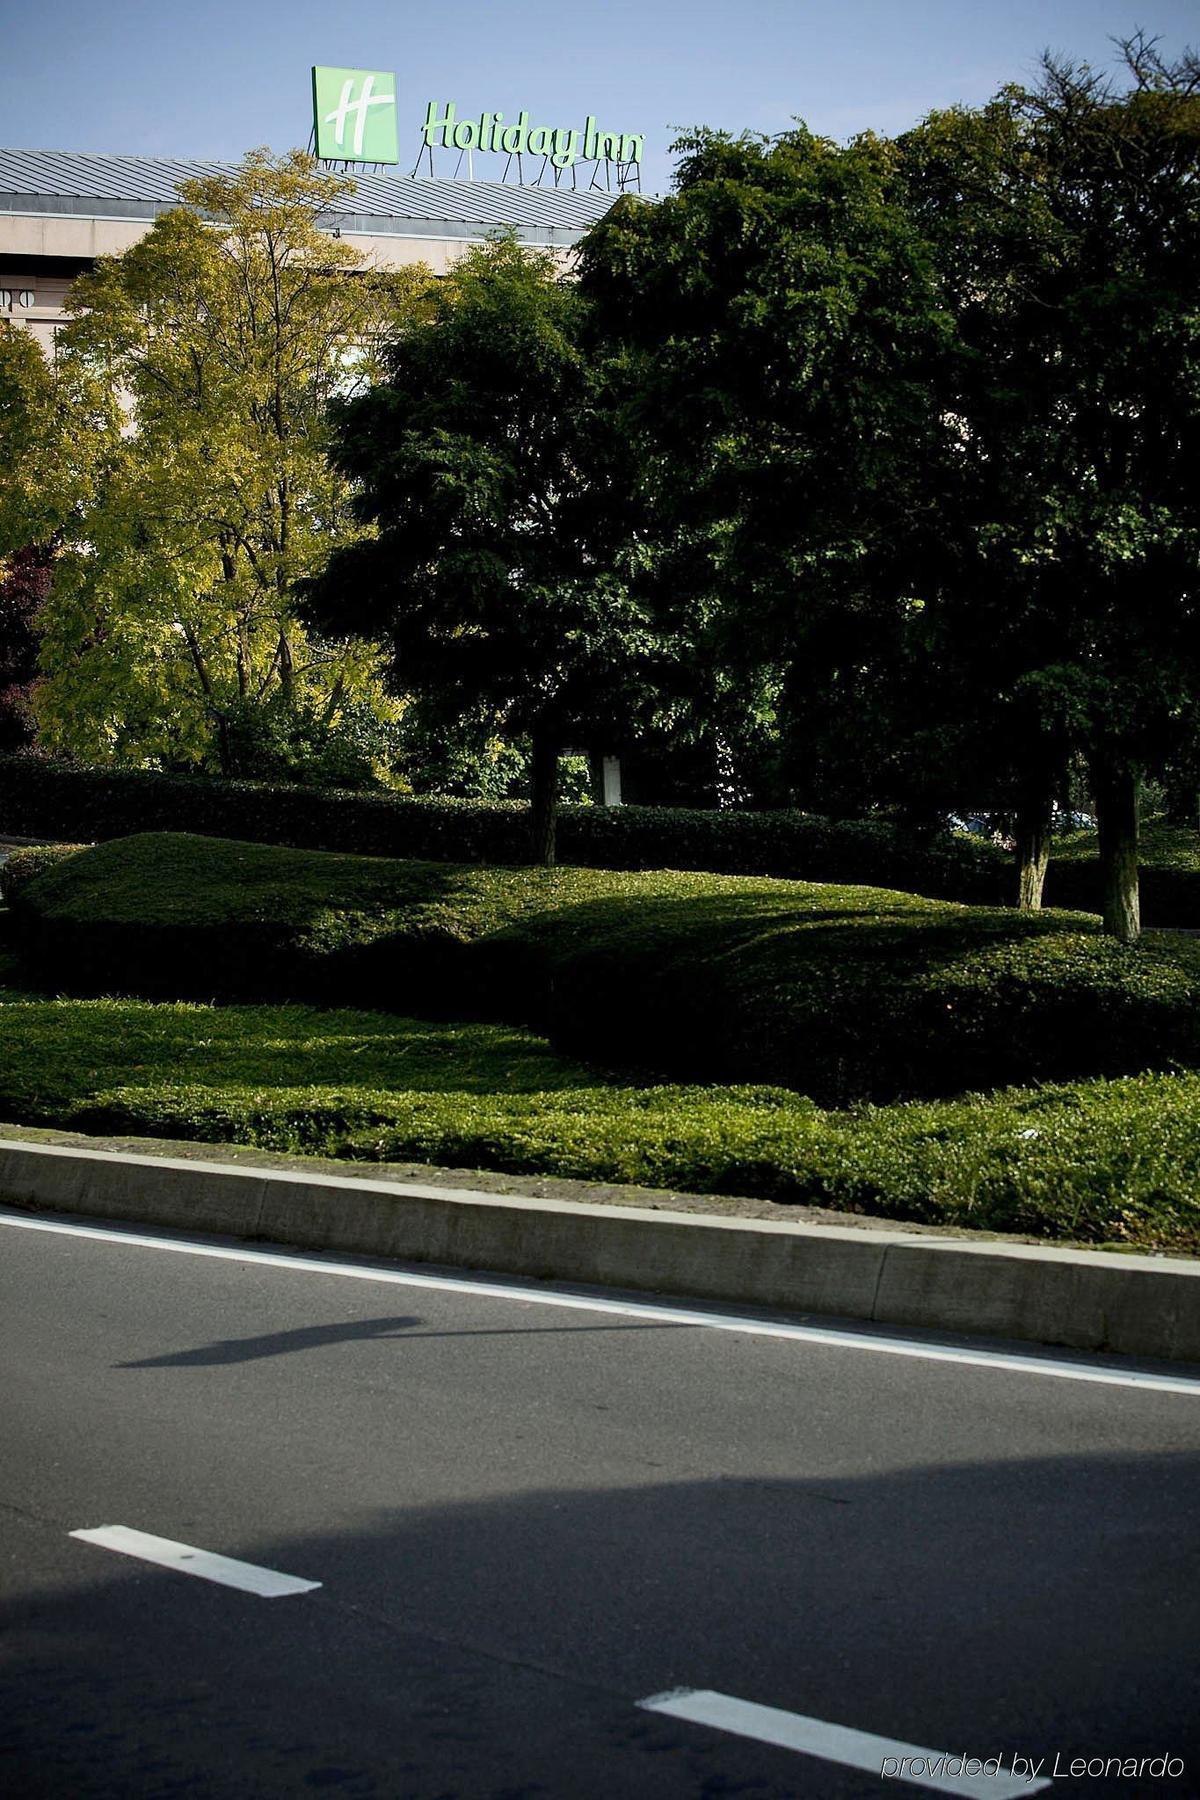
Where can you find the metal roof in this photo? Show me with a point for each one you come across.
(79, 183)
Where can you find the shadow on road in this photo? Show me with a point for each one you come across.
(496, 1647)
(314, 1337)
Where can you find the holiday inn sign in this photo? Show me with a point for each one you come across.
(488, 131)
(354, 120)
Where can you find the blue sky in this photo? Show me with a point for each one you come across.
(213, 79)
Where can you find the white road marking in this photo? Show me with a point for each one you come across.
(887, 1757)
(1010, 1362)
(269, 1584)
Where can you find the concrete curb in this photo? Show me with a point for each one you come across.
(1086, 1300)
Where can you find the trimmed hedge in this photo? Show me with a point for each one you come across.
(56, 800)
(1102, 1162)
(23, 866)
(178, 917)
(843, 993)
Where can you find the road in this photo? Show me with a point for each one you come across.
(527, 1516)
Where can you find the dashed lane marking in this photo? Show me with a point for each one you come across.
(939, 1771)
(186, 1559)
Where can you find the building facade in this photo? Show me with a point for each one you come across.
(60, 210)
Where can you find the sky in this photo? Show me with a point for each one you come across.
(214, 78)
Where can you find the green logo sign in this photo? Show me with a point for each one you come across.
(354, 115)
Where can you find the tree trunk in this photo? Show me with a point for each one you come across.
(544, 812)
(285, 662)
(1033, 848)
(224, 752)
(1116, 789)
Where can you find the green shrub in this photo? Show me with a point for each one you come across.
(201, 918)
(62, 801)
(842, 993)
(38, 797)
(849, 1001)
(26, 865)
(1101, 1162)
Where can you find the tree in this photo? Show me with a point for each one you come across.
(501, 565)
(52, 442)
(779, 321)
(1065, 224)
(24, 584)
(227, 330)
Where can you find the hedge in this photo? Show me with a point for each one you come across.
(1169, 897)
(39, 798)
(55, 800)
(25, 865)
(1104, 1162)
(843, 993)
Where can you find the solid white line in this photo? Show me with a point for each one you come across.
(269, 1584)
(841, 1744)
(1011, 1362)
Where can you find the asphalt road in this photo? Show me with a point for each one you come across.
(526, 1518)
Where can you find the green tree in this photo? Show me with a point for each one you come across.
(226, 331)
(500, 563)
(1065, 225)
(778, 321)
(55, 436)
(24, 584)
(60, 427)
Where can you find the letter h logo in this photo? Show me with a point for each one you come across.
(354, 115)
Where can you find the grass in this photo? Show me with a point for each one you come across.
(1098, 1162)
(844, 993)
(1162, 846)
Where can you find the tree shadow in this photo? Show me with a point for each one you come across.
(274, 1343)
(498, 1646)
(316, 1337)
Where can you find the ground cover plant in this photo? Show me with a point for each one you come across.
(27, 864)
(845, 994)
(1099, 1162)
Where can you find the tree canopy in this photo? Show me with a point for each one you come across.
(185, 528)
(864, 471)
(1064, 221)
(781, 325)
(932, 405)
(500, 558)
